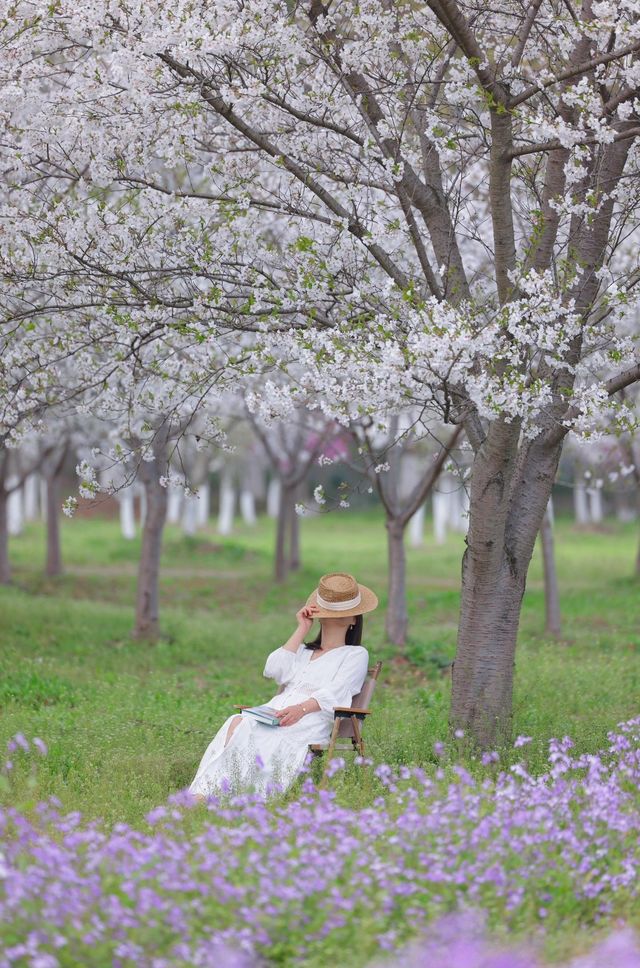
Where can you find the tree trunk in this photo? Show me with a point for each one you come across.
(416, 528)
(15, 509)
(440, 516)
(580, 503)
(189, 516)
(294, 535)
(509, 494)
(5, 567)
(147, 604)
(552, 625)
(227, 509)
(54, 555)
(204, 503)
(31, 493)
(397, 619)
(175, 500)
(127, 513)
(286, 500)
(248, 507)
(273, 498)
(595, 504)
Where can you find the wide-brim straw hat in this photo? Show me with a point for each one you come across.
(339, 594)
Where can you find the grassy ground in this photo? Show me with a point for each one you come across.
(126, 722)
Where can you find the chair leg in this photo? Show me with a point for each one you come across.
(357, 735)
(329, 754)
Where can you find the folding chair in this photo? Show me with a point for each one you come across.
(346, 734)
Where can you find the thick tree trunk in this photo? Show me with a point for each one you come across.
(553, 625)
(5, 567)
(509, 494)
(397, 618)
(147, 604)
(283, 524)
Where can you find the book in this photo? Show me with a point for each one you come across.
(264, 714)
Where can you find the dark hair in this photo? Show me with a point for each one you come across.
(353, 636)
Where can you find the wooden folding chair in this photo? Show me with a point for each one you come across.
(346, 735)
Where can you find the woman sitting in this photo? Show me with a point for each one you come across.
(317, 677)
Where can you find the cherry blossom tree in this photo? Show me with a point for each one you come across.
(482, 160)
(428, 204)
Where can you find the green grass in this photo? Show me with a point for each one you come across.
(127, 722)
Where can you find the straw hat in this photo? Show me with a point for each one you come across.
(340, 594)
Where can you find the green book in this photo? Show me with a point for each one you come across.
(264, 714)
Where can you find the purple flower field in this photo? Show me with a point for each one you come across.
(306, 881)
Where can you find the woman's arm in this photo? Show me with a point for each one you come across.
(305, 620)
(291, 714)
(280, 663)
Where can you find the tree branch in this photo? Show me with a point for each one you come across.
(616, 383)
(419, 494)
(574, 71)
(555, 145)
(303, 175)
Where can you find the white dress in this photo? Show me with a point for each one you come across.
(268, 758)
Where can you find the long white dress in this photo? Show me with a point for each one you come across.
(267, 758)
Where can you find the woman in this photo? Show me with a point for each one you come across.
(315, 678)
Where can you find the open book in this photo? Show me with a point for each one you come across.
(264, 714)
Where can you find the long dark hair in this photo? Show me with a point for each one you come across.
(353, 636)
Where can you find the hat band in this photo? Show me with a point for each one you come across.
(338, 606)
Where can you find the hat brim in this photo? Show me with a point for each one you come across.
(368, 601)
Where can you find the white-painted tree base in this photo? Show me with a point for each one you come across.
(248, 507)
(227, 509)
(273, 497)
(127, 513)
(416, 528)
(15, 508)
(203, 504)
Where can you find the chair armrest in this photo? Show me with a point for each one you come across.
(342, 711)
(242, 707)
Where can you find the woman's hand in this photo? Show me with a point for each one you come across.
(305, 617)
(290, 715)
